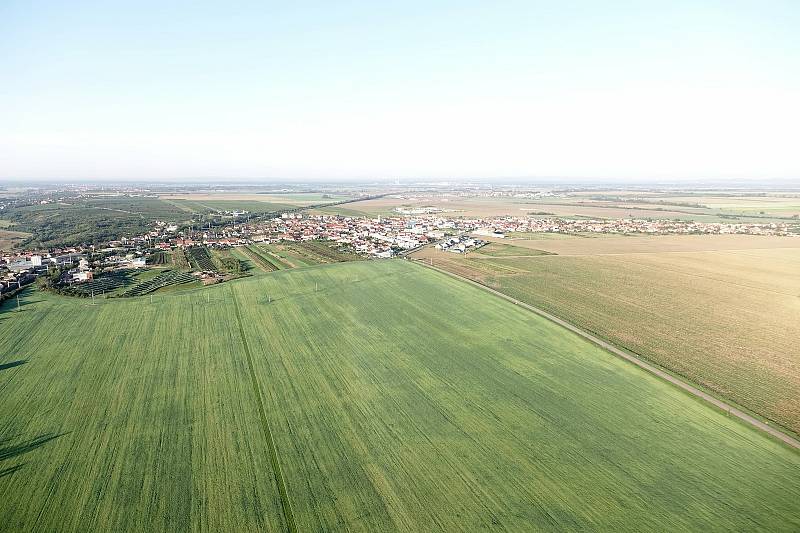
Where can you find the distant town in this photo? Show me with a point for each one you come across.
(378, 237)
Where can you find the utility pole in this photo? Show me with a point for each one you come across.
(18, 302)
(92, 296)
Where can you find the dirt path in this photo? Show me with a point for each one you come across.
(731, 410)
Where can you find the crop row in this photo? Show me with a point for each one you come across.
(198, 255)
(106, 282)
(365, 398)
(170, 277)
(315, 252)
(325, 252)
(263, 260)
(158, 258)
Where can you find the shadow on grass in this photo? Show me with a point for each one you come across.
(8, 471)
(10, 450)
(27, 296)
(12, 364)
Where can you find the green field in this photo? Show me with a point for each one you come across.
(720, 311)
(308, 198)
(344, 210)
(272, 257)
(215, 206)
(263, 258)
(372, 396)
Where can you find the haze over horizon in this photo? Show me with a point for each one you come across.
(314, 91)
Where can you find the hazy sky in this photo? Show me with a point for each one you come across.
(620, 89)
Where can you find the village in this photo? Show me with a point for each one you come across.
(378, 237)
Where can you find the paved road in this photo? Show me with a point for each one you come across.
(731, 410)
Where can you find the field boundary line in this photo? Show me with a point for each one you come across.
(686, 387)
(255, 258)
(273, 450)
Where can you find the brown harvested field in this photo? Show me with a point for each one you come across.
(484, 207)
(9, 238)
(727, 317)
(596, 209)
(581, 245)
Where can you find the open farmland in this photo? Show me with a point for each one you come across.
(721, 311)
(356, 396)
(10, 238)
(204, 202)
(605, 244)
(264, 259)
(775, 203)
(271, 257)
(597, 206)
(210, 207)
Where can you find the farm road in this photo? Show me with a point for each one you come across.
(733, 411)
(273, 451)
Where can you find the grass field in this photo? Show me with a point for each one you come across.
(217, 206)
(609, 206)
(253, 200)
(778, 204)
(315, 252)
(263, 258)
(720, 310)
(284, 255)
(356, 396)
(344, 210)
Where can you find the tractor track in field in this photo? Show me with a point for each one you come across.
(273, 450)
(686, 387)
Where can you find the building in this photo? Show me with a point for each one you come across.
(84, 275)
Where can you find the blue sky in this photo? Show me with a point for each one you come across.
(632, 90)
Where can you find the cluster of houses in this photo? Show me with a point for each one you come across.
(10, 281)
(460, 244)
(379, 237)
(27, 262)
(387, 236)
(18, 270)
